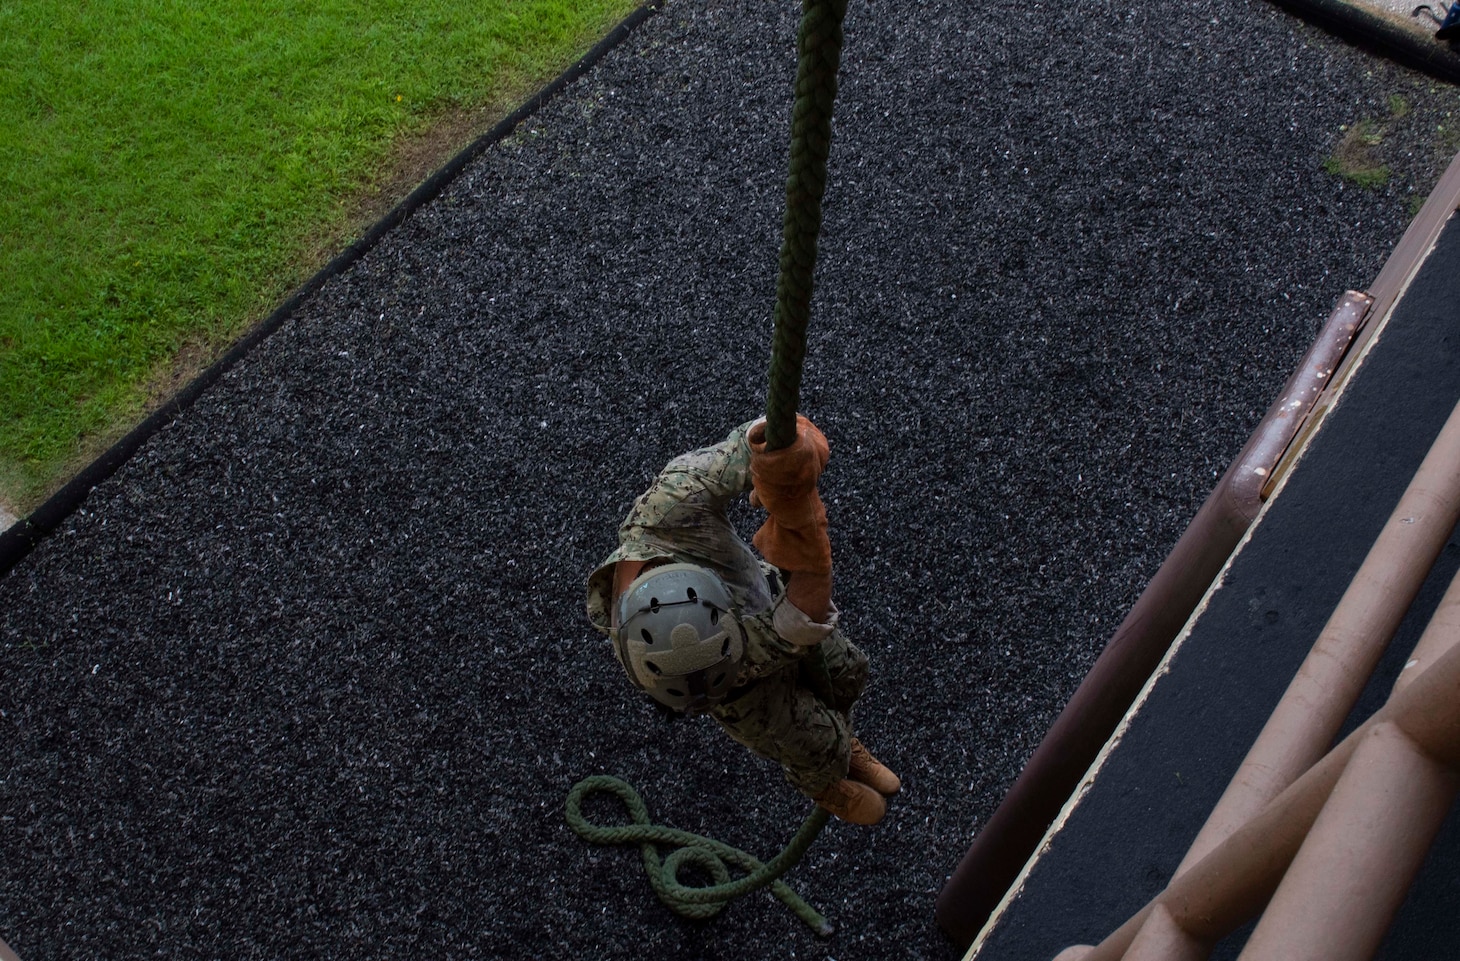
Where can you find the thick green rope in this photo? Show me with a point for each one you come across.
(819, 47)
(695, 849)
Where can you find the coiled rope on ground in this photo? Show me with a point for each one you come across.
(707, 854)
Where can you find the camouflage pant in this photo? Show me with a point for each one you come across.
(781, 717)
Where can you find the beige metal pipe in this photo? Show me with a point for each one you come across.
(1162, 939)
(1235, 880)
(1330, 679)
(1438, 637)
(1351, 875)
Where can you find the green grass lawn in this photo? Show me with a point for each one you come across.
(173, 168)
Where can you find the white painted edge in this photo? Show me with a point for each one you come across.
(1088, 780)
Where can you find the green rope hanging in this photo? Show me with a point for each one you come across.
(695, 849)
(820, 48)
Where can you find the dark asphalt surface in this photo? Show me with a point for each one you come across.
(310, 676)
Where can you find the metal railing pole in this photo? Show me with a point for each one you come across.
(1438, 636)
(1350, 876)
(1162, 939)
(1234, 881)
(1330, 679)
(1012, 834)
(1343, 888)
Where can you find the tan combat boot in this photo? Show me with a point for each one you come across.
(852, 802)
(872, 772)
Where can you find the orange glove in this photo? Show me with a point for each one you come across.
(794, 537)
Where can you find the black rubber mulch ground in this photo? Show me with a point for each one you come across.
(310, 677)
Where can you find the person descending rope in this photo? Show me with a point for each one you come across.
(703, 626)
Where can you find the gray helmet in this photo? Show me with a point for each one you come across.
(678, 637)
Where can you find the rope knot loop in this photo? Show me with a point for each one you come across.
(711, 856)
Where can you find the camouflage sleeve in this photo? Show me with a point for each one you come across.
(682, 515)
(691, 491)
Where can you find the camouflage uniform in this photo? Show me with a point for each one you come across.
(773, 709)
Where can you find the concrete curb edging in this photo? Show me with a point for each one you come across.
(1360, 25)
(20, 538)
